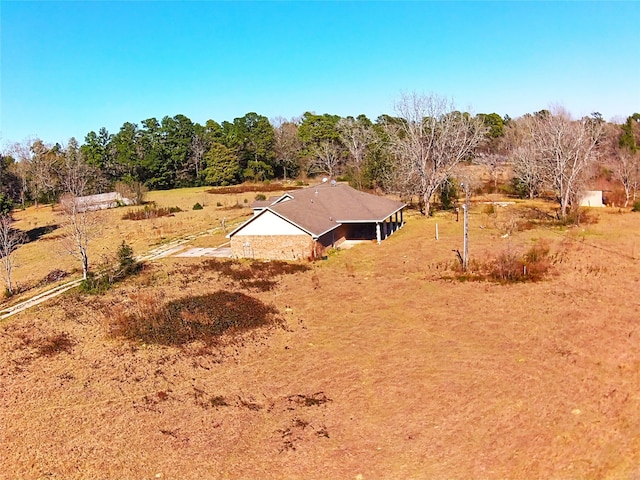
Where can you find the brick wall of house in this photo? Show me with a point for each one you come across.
(334, 238)
(273, 247)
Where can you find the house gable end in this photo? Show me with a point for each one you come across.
(268, 223)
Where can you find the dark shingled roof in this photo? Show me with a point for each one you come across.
(324, 207)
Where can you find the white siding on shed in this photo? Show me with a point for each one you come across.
(269, 224)
(592, 198)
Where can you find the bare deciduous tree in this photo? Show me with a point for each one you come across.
(42, 169)
(626, 161)
(566, 149)
(10, 240)
(627, 170)
(287, 144)
(78, 217)
(133, 191)
(428, 141)
(326, 158)
(494, 164)
(77, 223)
(527, 168)
(197, 149)
(357, 136)
(21, 151)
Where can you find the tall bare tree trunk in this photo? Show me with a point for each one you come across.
(429, 139)
(10, 240)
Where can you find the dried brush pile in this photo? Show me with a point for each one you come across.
(510, 265)
(245, 187)
(149, 212)
(513, 266)
(205, 317)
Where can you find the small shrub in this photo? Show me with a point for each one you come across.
(489, 209)
(507, 267)
(95, 284)
(150, 212)
(636, 206)
(197, 206)
(218, 204)
(127, 264)
(579, 216)
(260, 197)
(510, 266)
(518, 188)
(448, 193)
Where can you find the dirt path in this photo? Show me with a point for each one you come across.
(165, 250)
(38, 299)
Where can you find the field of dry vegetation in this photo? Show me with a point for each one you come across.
(382, 361)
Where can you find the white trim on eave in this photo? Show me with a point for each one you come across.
(282, 198)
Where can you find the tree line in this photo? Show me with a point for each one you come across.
(413, 153)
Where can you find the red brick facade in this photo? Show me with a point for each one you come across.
(274, 247)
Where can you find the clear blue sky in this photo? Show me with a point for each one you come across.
(71, 67)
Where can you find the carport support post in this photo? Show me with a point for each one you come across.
(378, 232)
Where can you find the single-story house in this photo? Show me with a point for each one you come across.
(300, 224)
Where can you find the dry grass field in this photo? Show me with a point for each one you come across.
(36, 259)
(378, 363)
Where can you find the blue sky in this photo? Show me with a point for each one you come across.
(71, 67)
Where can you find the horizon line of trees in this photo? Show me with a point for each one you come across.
(412, 153)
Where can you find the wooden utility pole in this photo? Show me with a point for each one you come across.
(465, 207)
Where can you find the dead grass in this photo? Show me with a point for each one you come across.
(380, 369)
(48, 253)
(256, 275)
(204, 318)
